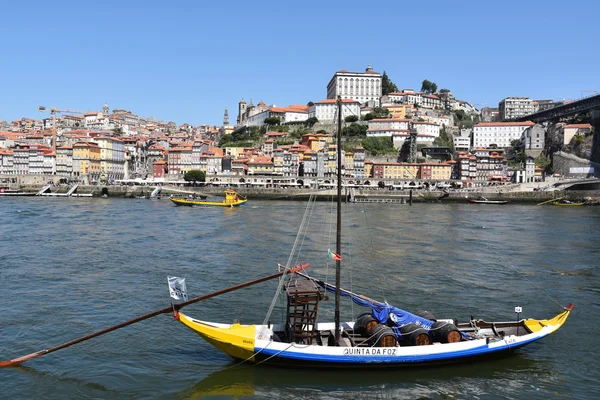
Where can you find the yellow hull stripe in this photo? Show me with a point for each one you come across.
(236, 340)
(535, 325)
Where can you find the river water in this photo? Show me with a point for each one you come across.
(69, 267)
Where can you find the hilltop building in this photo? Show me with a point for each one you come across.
(515, 107)
(364, 87)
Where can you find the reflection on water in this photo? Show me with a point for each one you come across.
(241, 380)
(73, 266)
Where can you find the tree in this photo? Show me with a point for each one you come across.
(310, 104)
(426, 86)
(351, 118)
(378, 145)
(195, 176)
(272, 121)
(312, 121)
(355, 129)
(444, 90)
(387, 86)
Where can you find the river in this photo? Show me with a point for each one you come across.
(70, 266)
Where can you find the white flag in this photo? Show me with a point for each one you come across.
(177, 288)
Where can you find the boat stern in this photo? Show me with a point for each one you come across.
(234, 340)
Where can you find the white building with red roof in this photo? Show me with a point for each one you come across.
(326, 110)
(498, 133)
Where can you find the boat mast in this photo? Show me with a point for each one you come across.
(338, 248)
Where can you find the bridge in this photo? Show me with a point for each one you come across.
(580, 184)
(587, 104)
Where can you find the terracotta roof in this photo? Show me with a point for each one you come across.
(578, 126)
(526, 123)
(333, 101)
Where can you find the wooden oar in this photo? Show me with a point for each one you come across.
(165, 310)
(549, 201)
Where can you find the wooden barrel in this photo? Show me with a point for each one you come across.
(414, 335)
(445, 332)
(425, 314)
(364, 324)
(383, 336)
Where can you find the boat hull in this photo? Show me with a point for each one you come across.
(488, 201)
(192, 203)
(247, 343)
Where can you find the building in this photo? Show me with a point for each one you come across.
(360, 86)
(86, 160)
(533, 139)
(515, 107)
(387, 127)
(112, 157)
(462, 140)
(542, 105)
(326, 110)
(575, 129)
(501, 134)
(489, 114)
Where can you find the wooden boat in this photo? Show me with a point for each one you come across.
(232, 199)
(15, 192)
(383, 336)
(566, 203)
(483, 200)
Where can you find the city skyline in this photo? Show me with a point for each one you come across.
(188, 63)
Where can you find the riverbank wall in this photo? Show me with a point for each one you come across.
(358, 194)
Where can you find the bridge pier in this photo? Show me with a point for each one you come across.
(595, 121)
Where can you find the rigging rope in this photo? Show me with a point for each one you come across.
(299, 238)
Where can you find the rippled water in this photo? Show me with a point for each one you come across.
(69, 267)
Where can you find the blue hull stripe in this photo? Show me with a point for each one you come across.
(385, 359)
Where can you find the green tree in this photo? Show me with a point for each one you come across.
(312, 121)
(195, 176)
(433, 88)
(351, 118)
(444, 90)
(378, 145)
(387, 86)
(272, 121)
(355, 129)
(426, 86)
(310, 104)
(225, 140)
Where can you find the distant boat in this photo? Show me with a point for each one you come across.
(14, 192)
(566, 203)
(483, 200)
(232, 199)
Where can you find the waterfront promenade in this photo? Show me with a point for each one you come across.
(527, 192)
(524, 193)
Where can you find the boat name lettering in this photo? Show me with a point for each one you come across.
(369, 351)
(248, 341)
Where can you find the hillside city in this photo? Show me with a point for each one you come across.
(389, 134)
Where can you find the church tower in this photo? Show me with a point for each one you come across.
(241, 112)
(105, 110)
(226, 118)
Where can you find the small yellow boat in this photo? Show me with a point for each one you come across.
(232, 199)
(566, 203)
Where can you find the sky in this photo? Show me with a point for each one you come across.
(186, 61)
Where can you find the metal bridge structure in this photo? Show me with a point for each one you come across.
(587, 104)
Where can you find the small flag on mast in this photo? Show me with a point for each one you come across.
(177, 288)
(334, 256)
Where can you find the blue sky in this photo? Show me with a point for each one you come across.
(186, 61)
